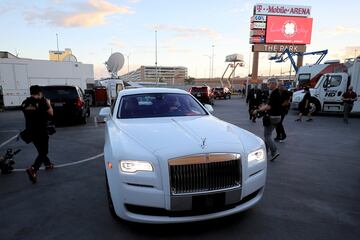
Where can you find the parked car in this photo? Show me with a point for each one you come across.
(222, 92)
(69, 103)
(168, 160)
(203, 93)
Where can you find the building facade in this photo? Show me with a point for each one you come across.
(169, 75)
(65, 55)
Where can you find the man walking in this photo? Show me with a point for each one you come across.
(253, 99)
(37, 111)
(349, 97)
(272, 118)
(280, 130)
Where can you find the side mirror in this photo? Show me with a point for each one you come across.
(209, 108)
(105, 112)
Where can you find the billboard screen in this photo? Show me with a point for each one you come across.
(289, 30)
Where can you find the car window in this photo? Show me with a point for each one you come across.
(60, 92)
(159, 105)
(332, 81)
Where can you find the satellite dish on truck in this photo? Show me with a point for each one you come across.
(115, 63)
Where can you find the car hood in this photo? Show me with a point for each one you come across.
(193, 134)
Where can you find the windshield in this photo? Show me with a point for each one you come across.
(159, 105)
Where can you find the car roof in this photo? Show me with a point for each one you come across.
(151, 90)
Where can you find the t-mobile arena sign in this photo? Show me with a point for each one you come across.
(283, 10)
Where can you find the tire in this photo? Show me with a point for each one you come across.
(315, 105)
(110, 202)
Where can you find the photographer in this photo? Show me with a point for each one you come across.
(272, 116)
(37, 111)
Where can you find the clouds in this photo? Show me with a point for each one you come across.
(86, 14)
(187, 32)
(339, 30)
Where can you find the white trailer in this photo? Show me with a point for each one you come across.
(326, 96)
(18, 74)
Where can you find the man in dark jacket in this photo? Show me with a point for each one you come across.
(272, 118)
(37, 111)
(254, 100)
(349, 97)
(280, 130)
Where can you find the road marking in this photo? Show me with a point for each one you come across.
(67, 164)
(9, 140)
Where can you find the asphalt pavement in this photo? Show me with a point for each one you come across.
(312, 190)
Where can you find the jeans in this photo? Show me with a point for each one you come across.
(41, 142)
(347, 109)
(270, 144)
(280, 130)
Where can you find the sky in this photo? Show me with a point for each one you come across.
(187, 30)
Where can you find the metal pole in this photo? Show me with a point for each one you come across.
(248, 78)
(270, 70)
(57, 45)
(212, 64)
(156, 68)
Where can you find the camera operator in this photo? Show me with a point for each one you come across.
(272, 116)
(37, 110)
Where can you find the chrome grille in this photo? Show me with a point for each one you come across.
(204, 173)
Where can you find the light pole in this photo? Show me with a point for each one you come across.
(57, 45)
(210, 61)
(270, 69)
(212, 64)
(128, 65)
(156, 68)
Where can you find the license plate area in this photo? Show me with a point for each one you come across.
(58, 104)
(208, 202)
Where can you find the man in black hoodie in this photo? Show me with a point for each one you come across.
(37, 111)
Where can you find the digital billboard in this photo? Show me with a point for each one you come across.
(288, 30)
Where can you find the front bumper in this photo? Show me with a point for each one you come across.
(139, 203)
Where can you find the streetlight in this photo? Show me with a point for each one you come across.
(156, 68)
(212, 65)
(128, 65)
(210, 60)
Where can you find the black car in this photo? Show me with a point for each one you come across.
(203, 93)
(69, 103)
(222, 92)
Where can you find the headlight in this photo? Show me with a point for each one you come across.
(258, 155)
(131, 166)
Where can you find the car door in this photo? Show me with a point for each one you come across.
(332, 89)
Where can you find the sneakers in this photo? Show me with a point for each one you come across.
(309, 120)
(49, 167)
(298, 120)
(274, 156)
(32, 174)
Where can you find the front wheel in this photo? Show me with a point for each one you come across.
(110, 202)
(315, 106)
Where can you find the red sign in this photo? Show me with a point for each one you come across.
(290, 30)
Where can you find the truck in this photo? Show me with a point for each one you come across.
(326, 95)
(309, 75)
(18, 74)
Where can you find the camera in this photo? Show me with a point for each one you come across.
(258, 114)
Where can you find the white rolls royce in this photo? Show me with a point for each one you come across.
(169, 160)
